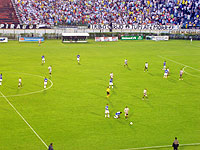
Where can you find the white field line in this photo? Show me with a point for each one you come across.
(24, 120)
(178, 63)
(156, 147)
(30, 93)
(190, 73)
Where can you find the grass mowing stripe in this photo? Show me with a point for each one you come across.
(164, 146)
(24, 120)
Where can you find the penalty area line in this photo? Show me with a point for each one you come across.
(164, 146)
(24, 119)
(178, 63)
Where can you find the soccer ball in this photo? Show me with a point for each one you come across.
(131, 123)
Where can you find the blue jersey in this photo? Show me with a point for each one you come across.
(111, 80)
(45, 80)
(106, 108)
(164, 64)
(43, 57)
(117, 113)
(166, 71)
(78, 56)
(0, 76)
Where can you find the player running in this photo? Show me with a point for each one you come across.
(111, 83)
(39, 42)
(125, 62)
(43, 59)
(181, 74)
(45, 82)
(20, 82)
(164, 65)
(107, 112)
(146, 66)
(165, 73)
(126, 112)
(1, 79)
(50, 69)
(108, 92)
(117, 115)
(78, 58)
(111, 75)
(145, 94)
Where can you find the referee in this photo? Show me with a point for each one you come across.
(175, 144)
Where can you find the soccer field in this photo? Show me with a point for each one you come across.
(70, 113)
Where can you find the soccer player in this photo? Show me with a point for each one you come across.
(107, 111)
(45, 82)
(126, 112)
(78, 58)
(50, 69)
(108, 92)
(175, 144)
(111, 83)
(50, 146)
(43, 59)
(191, 40)
(20, 82)
(125, 62)
(145, 94)
(181, 74)
(164, 65)
(117, 115)
(1, 79)
(165, 73)
(168, 72)
(111, 75)
(146, 66)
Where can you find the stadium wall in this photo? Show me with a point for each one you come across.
(14, 34)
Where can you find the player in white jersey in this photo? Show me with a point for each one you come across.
(191, 40)
(126, 112)
(181, 74)
(1, 79)
(167, 72)
(146, 66)
(125, 62)
(20, 82)
(50, 69)
(145, 94)
(45, 82)
(107, 113)
(111, 75)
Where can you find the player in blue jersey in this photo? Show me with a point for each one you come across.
(78, 58)
(164, 65)
(45, 82)
(1, 79)
(43, 59)
(117, 115)
(165, 74)
(107, 111)
(111, 83)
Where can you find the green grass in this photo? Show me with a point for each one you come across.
(71, 113)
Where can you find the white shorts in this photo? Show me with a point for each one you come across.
(107, 112)
(78, 59)
(43, 59)
(45, 83)
(0, 80)
(19, 83)
(165, 74)
(110, 83)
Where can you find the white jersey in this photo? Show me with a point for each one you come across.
(111, 75)
(20, 80)
(146, 65)
(126, 61)
(145, 92)
(50, 69)
(126, 110)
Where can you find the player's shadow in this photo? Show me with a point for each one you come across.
(188, 83)
(137, 97)
(171, 80)
(148, 102)
(150, 74)
(128, 68)
(96, 114)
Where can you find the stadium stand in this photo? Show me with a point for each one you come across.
(157, 12)
(7, 12)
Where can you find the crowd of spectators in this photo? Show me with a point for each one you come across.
(158, 12)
